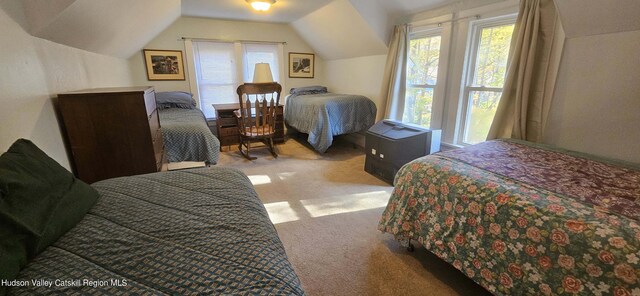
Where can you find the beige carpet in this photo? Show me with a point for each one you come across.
(326, 210)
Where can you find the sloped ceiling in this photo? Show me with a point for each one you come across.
(283, 11)
(377, 17)
(593, 17)
(334, 28)
(117, 28)
(41, 13)
(338, 31)
(403, 7)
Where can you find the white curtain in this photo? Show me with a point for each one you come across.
(216, 76)
(261, 53)
(395, 75)
(531, 75)
(217, 68)
(191, 69)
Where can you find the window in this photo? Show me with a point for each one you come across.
(260, 53)
(221, 66)
(486, 67)
(422, 75)
(216, 74)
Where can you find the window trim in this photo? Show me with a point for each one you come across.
(471, 55)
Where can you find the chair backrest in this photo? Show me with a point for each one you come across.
(258, 104)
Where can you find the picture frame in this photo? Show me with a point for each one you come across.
(164, 64)
(301, 65)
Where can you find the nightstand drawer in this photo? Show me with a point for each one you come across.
(228, 131)
(227, 124)
(227, 121)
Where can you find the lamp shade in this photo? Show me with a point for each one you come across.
(262, 73)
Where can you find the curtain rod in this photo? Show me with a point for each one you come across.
(418, 23)
(231, 41)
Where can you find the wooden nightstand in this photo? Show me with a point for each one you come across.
(227, 124)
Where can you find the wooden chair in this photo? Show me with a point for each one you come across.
(257, 115)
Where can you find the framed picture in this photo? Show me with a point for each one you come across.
(164, 64)
(301, 65)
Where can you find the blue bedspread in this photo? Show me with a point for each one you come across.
(189, 232)
(323, 116)
(187, 136)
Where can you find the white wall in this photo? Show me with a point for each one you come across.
(227, 30)
(596, 106)
(32, 71)
(361, 76)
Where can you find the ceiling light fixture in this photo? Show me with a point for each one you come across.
(261, 5)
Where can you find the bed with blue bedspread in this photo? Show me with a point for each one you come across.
(188, 232)
(186, 135)
(322, 115)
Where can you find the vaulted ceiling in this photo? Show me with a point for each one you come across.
(334, 28)
(286, 11)
(283, 11)
(115, 27)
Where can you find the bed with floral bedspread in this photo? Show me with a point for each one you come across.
(522, 218)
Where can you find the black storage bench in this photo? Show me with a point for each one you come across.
(391, 144)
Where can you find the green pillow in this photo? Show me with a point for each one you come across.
(39, 202)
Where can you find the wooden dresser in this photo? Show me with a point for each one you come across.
(227, 124)
(112, 132)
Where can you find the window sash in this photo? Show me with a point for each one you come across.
(422, 33)
(469, 88)
(421, 86)
(466, 110)
(425, 35)
(418, 118)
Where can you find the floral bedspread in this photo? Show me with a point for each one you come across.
(523, 229)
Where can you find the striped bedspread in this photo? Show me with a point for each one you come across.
(323, 116)
(189, 232)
